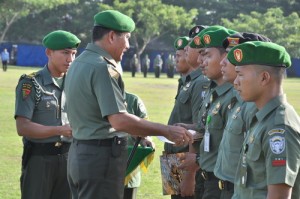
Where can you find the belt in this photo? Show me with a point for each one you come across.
(103, 142)
(52, 148)
(226, 185)
(208, 175)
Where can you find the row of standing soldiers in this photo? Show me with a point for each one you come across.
(157, 65)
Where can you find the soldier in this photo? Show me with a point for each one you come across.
(97, 113)
(136, 106)
(39, 121)
(5, 59)
(238, 113)
(158, 62)
(170, 66)
(145, 65)
(269, 160)
(187, 102)
(213, 112)
(134, 62)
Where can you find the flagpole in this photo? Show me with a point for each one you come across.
(136, 144)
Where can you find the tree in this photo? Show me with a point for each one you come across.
(153, 20)
(10, 11)
(283, 30)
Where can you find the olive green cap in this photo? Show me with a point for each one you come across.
(114, 20)
(196, 41)
(259, 53)
(60, 39)
(215, 38)
(181, 42)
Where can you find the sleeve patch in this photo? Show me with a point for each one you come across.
(277, 144)
(276, 131)
(278, 162)
(26, 90)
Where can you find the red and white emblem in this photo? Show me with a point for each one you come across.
(238, 55)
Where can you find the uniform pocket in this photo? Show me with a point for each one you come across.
(184, 97)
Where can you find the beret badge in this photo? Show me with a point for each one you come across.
(206, 39)
(238, 55)
(179, 42)
(197, 40)
(233, 41)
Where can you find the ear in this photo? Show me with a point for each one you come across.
(265, 78)
(111, 36)
(48, 52)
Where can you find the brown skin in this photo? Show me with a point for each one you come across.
(59, 62)
(228, 71)
(116, 45)
(259, 85)
(181, 65)
(191, 56)
(200, 60)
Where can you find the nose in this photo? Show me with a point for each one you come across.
(236, 82)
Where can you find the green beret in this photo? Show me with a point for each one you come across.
(59, 39)
(114, 20)
(181, 42)
(259, 53)
(196, 41)
(215, 38)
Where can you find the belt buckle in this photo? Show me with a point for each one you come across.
(204, 175)
(58, 144)
(221, 185)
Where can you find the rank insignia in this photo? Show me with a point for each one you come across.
(113, 73)
(277, 144)
(238, 109)
(278, 162)
(26, 90)
(229, 106)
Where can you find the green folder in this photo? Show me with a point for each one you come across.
(143, 156)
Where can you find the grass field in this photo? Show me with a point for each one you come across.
(157, 94)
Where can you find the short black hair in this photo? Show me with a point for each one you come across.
(99, 32)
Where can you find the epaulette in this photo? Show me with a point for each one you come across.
(30, 76)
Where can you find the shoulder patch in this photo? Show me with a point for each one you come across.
(276, 131)
(26, 90)
(277, 144)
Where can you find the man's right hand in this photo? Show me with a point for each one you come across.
(189, 162)
(179, 135)
(65, 130)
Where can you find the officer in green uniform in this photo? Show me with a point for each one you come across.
(38, 118)
(97, 113)
(269, 161)
(135, 106)
(239, 112)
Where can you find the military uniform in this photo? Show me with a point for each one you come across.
(231, 144)
(271, 150)
(158, 62)
(145, 65)
(192, 89)
(98, 83)
(39, 99)
(135, 106)
(215, 106)
(134, 62)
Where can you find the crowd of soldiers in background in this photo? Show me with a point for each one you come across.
(157, 65)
